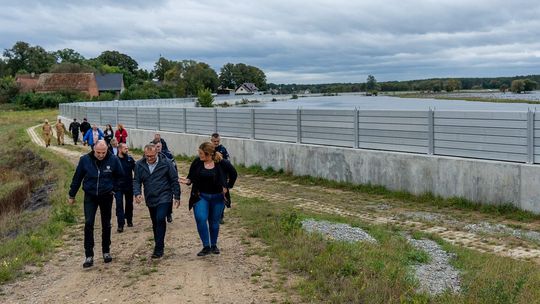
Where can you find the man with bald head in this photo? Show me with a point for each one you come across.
(99, 172)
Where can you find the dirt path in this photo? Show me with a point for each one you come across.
(132, 277)
(183, 278)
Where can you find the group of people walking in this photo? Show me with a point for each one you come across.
(154, 180)
(90, 133)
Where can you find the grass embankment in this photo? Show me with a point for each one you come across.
(475, 98)
(28, 237)
(339, 272)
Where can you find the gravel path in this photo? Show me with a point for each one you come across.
(485, 227)
(438, 275)
(337, 231)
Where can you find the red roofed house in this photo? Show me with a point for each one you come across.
(79, 82)
(27, 82)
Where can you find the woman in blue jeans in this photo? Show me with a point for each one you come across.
(211, 177)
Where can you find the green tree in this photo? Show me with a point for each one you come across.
(69, 56)
(517, 86)
(234, 75)
(32, 59)
(4, 70)
(226, 76)
(205, 98)
(115, 58)
(529, 85)
(161, 67)
(68, 67)
(200, 76)
(371, 83)
(452, 85)
(8, 88)
(503, 88)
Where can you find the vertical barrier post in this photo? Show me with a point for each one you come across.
(117, 120)
(100, 119)
(136, 117)
(298, 126)
(252, 117)
(185, 120)
(530, 136)
(215, 120)
(159, 118)
(356, 131)
(431, 132)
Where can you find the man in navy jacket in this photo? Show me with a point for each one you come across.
(99, 172)
(161, 187)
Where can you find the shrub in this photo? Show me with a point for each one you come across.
(205, 98)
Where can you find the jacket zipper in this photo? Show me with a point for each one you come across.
(98, 173)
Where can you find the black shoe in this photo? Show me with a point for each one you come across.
(169, 218)
(120, 229)
(215, 250)
(88, 262)
(205, 251)
(130, 224)
(107, 258)
(157, 255)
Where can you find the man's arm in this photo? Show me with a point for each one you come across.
(78, 177)
(137, 182)
(231, 173)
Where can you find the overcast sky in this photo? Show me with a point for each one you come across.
(316, 41)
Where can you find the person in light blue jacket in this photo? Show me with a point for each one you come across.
(92, 136)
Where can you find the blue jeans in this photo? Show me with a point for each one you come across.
(207, 213)
(122, 216)
(159, 225)
(91, 204)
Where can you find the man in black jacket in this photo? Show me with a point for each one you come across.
(99, 172)
(85, 126)
(74, 129)
(125, 189)
(161, 187)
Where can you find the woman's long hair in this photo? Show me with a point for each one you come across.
(209, 149)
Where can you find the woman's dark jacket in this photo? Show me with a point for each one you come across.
(225, 177)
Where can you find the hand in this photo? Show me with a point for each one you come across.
(185, 181)
(138, 199)
(71, 200)
(176, 203)
(225, 190)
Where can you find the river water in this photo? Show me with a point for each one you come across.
(351, 101)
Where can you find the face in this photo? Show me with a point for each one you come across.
(124, 150)
(203, 156)
(158, 147)
(157, 136)
(215, 141)
(94, 127)
(114, 143)
(100, 151)
(151, 156)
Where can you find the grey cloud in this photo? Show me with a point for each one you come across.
(295, 41)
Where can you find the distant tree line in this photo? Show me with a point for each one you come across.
(174, 78)
(515, 84)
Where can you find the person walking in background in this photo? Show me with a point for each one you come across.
(92, 136)
(208, 176)
(47, 132)
(85, 126)
(99, 172)
(157, 137)
(74, 129)
(114, 147)
(216, 140)
(60, 128)
(121, 134)
(125, 189)
(108, 134)
(161, 188)
(168, 156)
